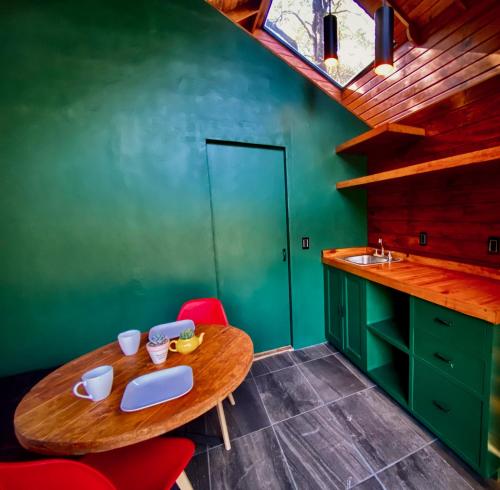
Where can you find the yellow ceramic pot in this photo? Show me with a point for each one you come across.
(185, 346)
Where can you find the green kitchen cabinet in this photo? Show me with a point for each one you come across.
(345, 297)
(449, 410)
(455, 386)
(355, 319)
(442, 366)
(334, 306)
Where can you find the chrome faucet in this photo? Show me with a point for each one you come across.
(382, 252)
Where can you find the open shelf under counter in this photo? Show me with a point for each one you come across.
(394, 379)
(388, 135)
(391, 332)
(478, 157)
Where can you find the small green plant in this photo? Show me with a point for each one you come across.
(186, 334)
(157, 339)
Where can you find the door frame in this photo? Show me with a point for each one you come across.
(221, 142)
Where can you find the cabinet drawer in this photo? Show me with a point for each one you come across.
(449, 410)
(464, 367)
(452, 327)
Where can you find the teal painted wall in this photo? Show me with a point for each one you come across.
(105, 107)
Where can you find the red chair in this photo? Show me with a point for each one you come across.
(151, 465)
(203, 310)
(209, 310)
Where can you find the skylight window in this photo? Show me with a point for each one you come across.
(299, 25)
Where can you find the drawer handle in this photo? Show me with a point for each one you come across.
(446, 323)
(441, 407)
(439, 356)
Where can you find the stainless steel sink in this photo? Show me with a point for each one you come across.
(366, 259)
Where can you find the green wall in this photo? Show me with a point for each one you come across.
(105, 108)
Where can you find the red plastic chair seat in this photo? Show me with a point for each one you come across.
(151, 465)
(51, 474)
(203, 310)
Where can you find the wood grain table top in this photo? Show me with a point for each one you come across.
(465, 288)
(51, 420)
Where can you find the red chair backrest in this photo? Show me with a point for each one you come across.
(203, 310)
(52, 474)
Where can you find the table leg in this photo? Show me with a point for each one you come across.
(230, 397)
(223, 426)
(183, 482)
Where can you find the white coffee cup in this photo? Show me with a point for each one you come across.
(97, 383)
(129, 341)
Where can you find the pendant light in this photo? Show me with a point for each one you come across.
(330, 40)
(384, 40)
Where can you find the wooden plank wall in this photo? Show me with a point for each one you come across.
(458, 209)
(462, 53)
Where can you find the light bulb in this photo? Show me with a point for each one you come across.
(331, 63)
(384, 69)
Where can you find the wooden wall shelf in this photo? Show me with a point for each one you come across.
(242, 15)
(462, 160)
(383, 137)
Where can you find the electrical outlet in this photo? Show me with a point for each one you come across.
(422, 238)
(305, 243)
(493, 244)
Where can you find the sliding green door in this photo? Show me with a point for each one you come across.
(250, 239)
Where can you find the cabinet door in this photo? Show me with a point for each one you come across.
(334, 301)
(355, 319)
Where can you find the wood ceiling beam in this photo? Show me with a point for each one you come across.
(261, 14)
(413, 33)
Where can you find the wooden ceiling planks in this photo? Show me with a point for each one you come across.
(407, 59)
(475, 48)
(463, 53)
(460, 45)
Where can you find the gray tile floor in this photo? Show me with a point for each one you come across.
(309, 419)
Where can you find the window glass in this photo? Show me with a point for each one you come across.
(299, 25)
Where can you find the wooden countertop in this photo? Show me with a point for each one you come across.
(468, 289)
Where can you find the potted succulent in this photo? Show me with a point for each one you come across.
(158, 348)
(187, 342)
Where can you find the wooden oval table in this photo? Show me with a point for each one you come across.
(51, 420)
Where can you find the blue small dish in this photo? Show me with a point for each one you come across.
(171, 330)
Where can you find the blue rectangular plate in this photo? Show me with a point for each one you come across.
(158, 387)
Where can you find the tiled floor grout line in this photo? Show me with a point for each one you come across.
(272, 424)
(447, 463)
(240, 437)
(285, 459)
(209, 472)
(297, 363)
(374, 473)
(205, 424)
(319, 406)
(316, 358)
(310, 384)
(341, 358)
(404, 457)
(275, 371)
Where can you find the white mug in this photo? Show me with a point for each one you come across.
(97, 383)
(129, 341)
